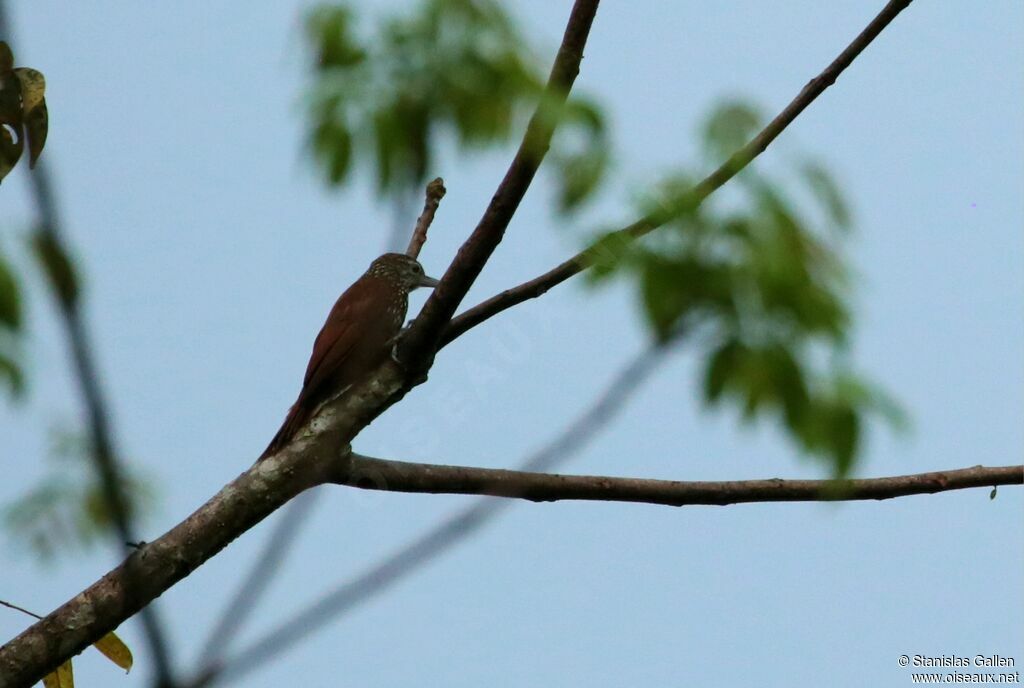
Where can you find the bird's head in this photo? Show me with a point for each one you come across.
(401, 269)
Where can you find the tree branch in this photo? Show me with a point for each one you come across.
(156, 566)
(418, 345)
(435, 192)
(739, 160)
(152, 569)
(441, 537)
(263, 488)
(271, 483)
(401, 476)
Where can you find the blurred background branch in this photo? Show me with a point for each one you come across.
(52, 253)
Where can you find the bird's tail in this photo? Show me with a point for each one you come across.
(293, 422)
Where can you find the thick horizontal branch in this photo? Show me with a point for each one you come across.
(400, 476)
(730, 168)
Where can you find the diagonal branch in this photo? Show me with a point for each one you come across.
(268, 485)
(419, 344)
(739, 160)
(401, 476)
(263, 488)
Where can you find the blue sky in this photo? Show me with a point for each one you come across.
(212, 252)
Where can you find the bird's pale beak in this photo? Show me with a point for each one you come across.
(427, 282)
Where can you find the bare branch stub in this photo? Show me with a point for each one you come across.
(435, 192)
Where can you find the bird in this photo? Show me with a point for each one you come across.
(357, 336)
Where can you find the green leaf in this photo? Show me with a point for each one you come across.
(769, 287)
(446, 71)
(673, 199)
(10, 371)
(580, 176)
(828, 194)
(10, 299)
(6, 58)
(730, 126)
(23, 112)
(11, 112)
(607, 254)
(333, 143)
(845, 432)
(664, 300)
(791, 388)
(721, 368)
(330, 28)
(57, 266)
(863, 394)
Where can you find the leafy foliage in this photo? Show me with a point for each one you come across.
(765, 290)
(57, 266)
(453, 67)
(23, 120)
(23, 115)
(67, 509)
(11, 323)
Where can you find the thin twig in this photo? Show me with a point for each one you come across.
(739, 160)
(417, 346)
(20, 609)
(440, 538)
(435, 192)
(49, 233)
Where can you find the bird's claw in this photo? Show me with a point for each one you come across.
(394, 343)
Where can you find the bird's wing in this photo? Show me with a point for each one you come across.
(336, 339)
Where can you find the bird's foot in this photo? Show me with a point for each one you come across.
(393, 342)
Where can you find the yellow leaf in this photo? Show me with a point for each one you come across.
(115, 650)
(62, 678)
